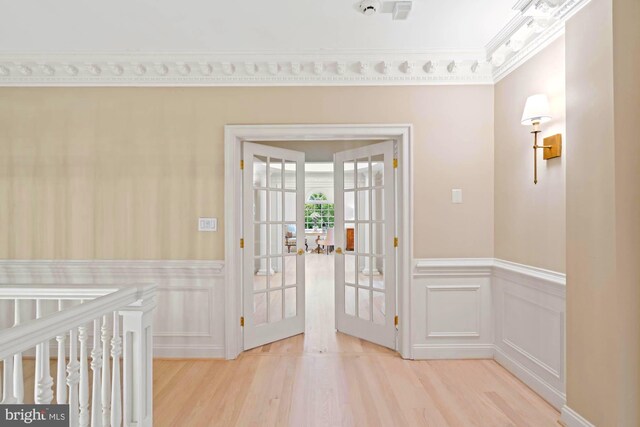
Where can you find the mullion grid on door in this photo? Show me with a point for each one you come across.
(370, 253)
(280, 254)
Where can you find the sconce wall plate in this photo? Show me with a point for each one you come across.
(554, 144)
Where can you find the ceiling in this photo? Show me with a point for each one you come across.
(244, 25)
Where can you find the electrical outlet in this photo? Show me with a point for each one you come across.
(456, 195)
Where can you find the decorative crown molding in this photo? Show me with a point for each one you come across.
(536, 24)
(246, 69)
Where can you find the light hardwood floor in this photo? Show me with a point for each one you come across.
(324, 378)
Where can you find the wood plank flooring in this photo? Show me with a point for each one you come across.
(324, 378)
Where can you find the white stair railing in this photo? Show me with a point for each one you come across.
(100, 312)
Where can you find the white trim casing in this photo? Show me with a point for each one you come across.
(235, 134)
(188, 321)
(571, 418)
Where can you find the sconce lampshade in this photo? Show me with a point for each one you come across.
(536, 110)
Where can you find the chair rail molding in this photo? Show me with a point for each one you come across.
(189, 320)
(465, 308)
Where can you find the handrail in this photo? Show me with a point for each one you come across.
(49, 292)
(31, 333)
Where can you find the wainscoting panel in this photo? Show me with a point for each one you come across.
(529, 315)
(451, 309)
(189, 319)
(487, 308)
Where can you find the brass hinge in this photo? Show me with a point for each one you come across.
(395, 242)
(241, 243)
(395, 163)
(395, 321)
(242, 320)
(241, 164)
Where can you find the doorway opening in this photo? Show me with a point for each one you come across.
(318, 232)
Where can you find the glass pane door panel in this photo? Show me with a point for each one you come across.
(275, 173)
(289, 270)
(363, 205)
(377, 276)
(364, 308)
(364, 276)
(277, 239)
(289, 206)
(349, 173)
(377, 170)
(362, 238)
(275, 278)
(275, 208)
(260, 205)
(363, 173)
(377, 238)
(275, 306)
(290, 301)
(378, 308)
(260, 308)
(260, 239)
(377, 204)
(349, 206)
(350, 300)
(260, 277)
(350, 269)
(259, 171)
(290, 176)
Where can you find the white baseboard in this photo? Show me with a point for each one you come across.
(453, 351)
(555, 397)
(571, 418)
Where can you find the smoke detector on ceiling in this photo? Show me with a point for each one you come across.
(369, 7)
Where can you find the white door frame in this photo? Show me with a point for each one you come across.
(234, 135)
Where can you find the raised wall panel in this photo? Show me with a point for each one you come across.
(453, 311)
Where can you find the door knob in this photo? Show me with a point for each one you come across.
(300, 251)
(338, 250)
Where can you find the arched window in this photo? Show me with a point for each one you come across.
(318, 212)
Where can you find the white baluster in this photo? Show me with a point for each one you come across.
(7, 381)
(116, 351)
(73, 378)
(96, 365)
(43, 393)
(83, 394)
(106, 381)
(61, 386)
(18, 379)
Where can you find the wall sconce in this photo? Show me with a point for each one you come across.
(536, 111)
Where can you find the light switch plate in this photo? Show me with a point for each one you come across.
(207, 224)
(456, 195)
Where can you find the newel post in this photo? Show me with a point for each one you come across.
(138, 359)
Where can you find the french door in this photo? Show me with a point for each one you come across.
(273, 224)
(364, 237)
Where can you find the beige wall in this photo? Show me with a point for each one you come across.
(530, 219)
(113, 173)
(603, 213)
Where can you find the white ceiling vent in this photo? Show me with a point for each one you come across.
(401, 9)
